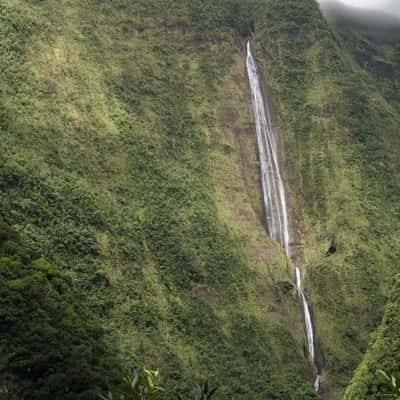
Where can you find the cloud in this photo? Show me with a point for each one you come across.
(378, 18)
(393, 7)
(387, 6)
(374, 4)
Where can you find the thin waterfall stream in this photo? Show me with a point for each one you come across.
(273, 189)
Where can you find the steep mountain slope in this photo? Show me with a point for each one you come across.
(381, 60)
(383, 354)
(129, 162)
(43, 323)
(339, 108)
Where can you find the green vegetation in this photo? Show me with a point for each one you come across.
(121, 165)
(140, 386)
(51, 345)
(383, 352)
(204, 392)
(393, 384)
(128, 163)
(338, 103)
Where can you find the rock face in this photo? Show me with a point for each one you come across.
(332, 248)
(274, 193)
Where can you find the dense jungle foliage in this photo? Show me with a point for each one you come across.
(129, 191)
(383, 354)
(51, 345)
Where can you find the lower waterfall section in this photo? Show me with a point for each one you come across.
(273, 189)
(308, 324)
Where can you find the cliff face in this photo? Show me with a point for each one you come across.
(129, 161)
(339, 109)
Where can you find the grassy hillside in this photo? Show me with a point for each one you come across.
(383, 354)
(129, 161)
(339, 108)
(381, 61)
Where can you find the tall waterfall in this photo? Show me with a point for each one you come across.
(273, 187)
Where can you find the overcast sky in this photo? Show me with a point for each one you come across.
(389, 6)
(366, 3)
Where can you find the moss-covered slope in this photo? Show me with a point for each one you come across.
(383, 354)
(337, 96)
(128, 159)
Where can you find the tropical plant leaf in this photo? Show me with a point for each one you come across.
(212, 391)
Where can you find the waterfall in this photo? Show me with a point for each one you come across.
(272, 184)
(273, 188)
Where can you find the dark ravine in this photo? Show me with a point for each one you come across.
(273, 190)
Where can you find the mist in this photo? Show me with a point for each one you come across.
(393, 6)
(387, 6)
(378, 18)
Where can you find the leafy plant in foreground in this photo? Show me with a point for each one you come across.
(203, 392)
(139, 386)
(393, 383)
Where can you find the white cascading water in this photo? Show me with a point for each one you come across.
(272, 184)
(273, 188)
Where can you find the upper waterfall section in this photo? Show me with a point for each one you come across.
(272, 183)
